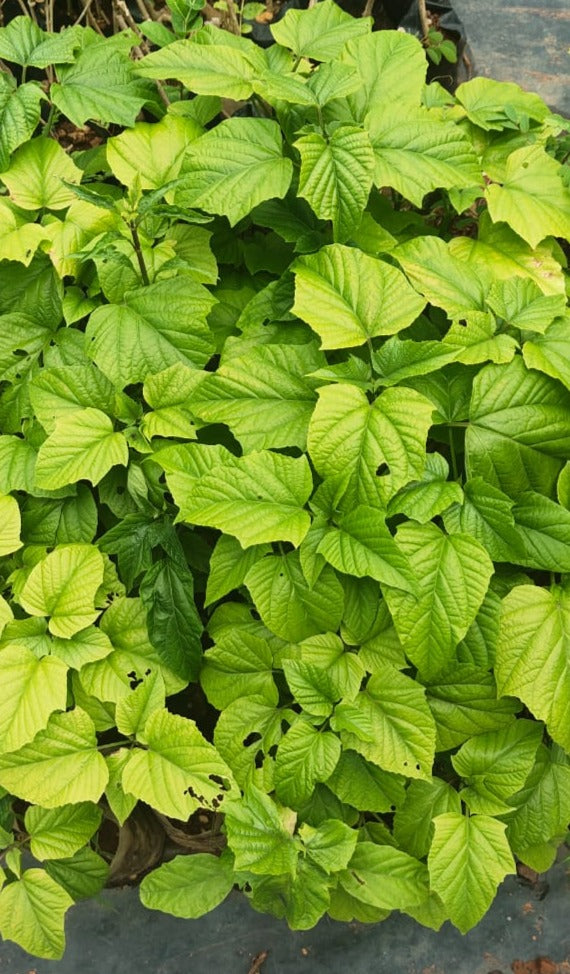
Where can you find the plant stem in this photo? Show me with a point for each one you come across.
(422, 11)
(86, 7)
(453, 454)
(46, 131)
(139, 253)
(112, 744)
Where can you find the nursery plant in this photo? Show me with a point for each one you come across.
(284, 473)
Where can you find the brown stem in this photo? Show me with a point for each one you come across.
(146, 12)
(86, 7)
(258, 960)
(368, 7)
(233, 21)
(422, 11)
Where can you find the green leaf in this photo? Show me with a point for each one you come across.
(419, 153)
(155, 327)
(532, 199)
(84, 647)
(17, 464)
(384, 877)
(490, 104)
(478, 646)
(169, 392)
(358, 782)
(179, 771)
(378, 447)
(347, 908)
(265, 396)
(20, 108)
(521, 303)
(336, 175)
(63, 586)
(212, 67)
(32, 912)
(233, 167)
(120, 803)
(487, 515)
(319, 33)
(82, 876)
(23, 42)
(229, 564)
(518, 430)
(453, 575)
(83, 446)
(110, 679)
(261, 836)
(533, 655)
(11, 525)
(37, 175)
(323, 674)
(413, 820)
(544, 532)
(396, 360)
(68, 389)
(6, 614)
(305, 755)
(288, 606)
(71, 520)
(151, 152)
(60, 766)
(100, 85)
(474, 340)
(443, 279)
(332, 80)
(390, 724)
(133, 711)
(33, 689)
(331, 845)
(392, 68)
(362, 545)
(189, 886)
(494, 766)
(468, 859)
(463, 702)
(58, 833)
(174, 626)
(348, 297)
(422, 500)
(501, 251)
(542, 807)
(246, 731)
(549, 352)
(19, 239)
(258, 498)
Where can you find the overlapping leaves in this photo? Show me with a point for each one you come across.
(285, 413)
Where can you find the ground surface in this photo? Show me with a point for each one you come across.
(527, 931)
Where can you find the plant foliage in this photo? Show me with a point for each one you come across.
(285, 413)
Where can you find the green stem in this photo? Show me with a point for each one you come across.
(46, 131)
(139, 253)
(112, 745)
(453, 453)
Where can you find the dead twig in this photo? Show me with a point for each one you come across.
(147, 12)
(258, 960)
(86, 7)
